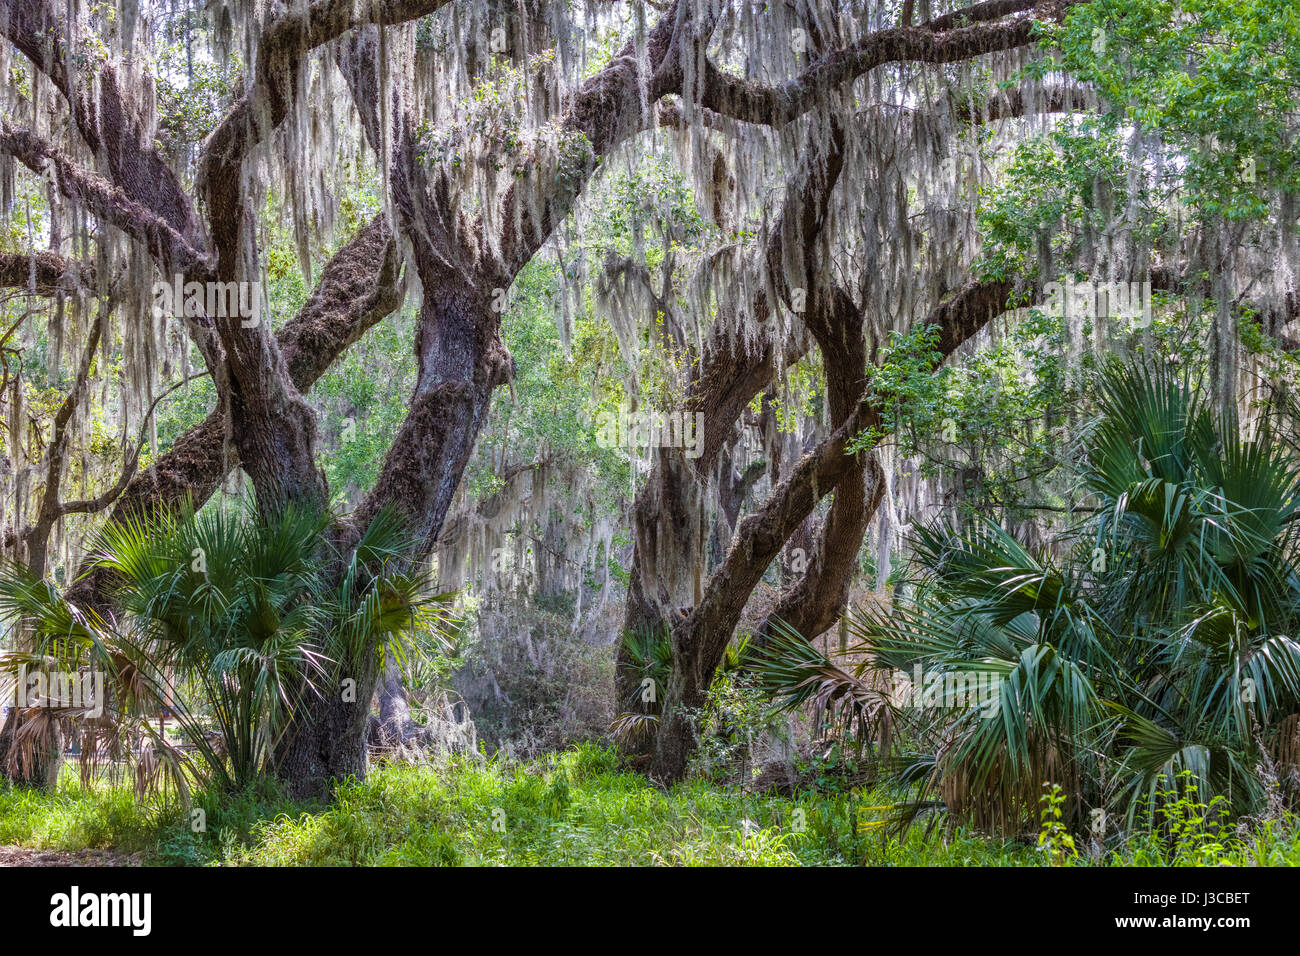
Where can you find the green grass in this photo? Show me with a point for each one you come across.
(578, 807)
(74, 819)
(575, 808)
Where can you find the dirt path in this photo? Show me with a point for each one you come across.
(23, 856)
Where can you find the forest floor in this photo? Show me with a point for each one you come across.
(24, 856)
(579, 807)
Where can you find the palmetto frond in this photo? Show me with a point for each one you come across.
(380, 604)
(249, 609)
(649, 652)
(796, 673)
(1153, 658)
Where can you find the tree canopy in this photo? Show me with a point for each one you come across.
(672, 320)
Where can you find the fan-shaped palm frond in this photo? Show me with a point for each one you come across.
(1155, 658)
(248, 609)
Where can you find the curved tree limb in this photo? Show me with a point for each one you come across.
(110, 127)
(358, 288)
(105, 200)
(44, 273)
(940, 41)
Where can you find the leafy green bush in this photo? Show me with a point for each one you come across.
(1142, 659)
(227, 619)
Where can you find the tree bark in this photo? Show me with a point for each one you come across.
(260, 377)
(328, 742)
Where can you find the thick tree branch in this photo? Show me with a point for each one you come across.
(1010, 104)
(778, 105)
(110, 127)
(130, 460)
(266, 103)
(37, 536)
(978, 13)
(105, 200)
(760, 536)
(44, 273)
(963, 314)
(605, 112)
(444, 246)
(460, 356)
(358, 288)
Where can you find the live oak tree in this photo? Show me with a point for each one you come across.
(838, 148)
(849, 261)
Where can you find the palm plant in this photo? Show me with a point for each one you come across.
(60, 637)
(379, 603)
(649, 654)
(228, 618)
(1145, 652)
(648, 662)
(231, 604)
